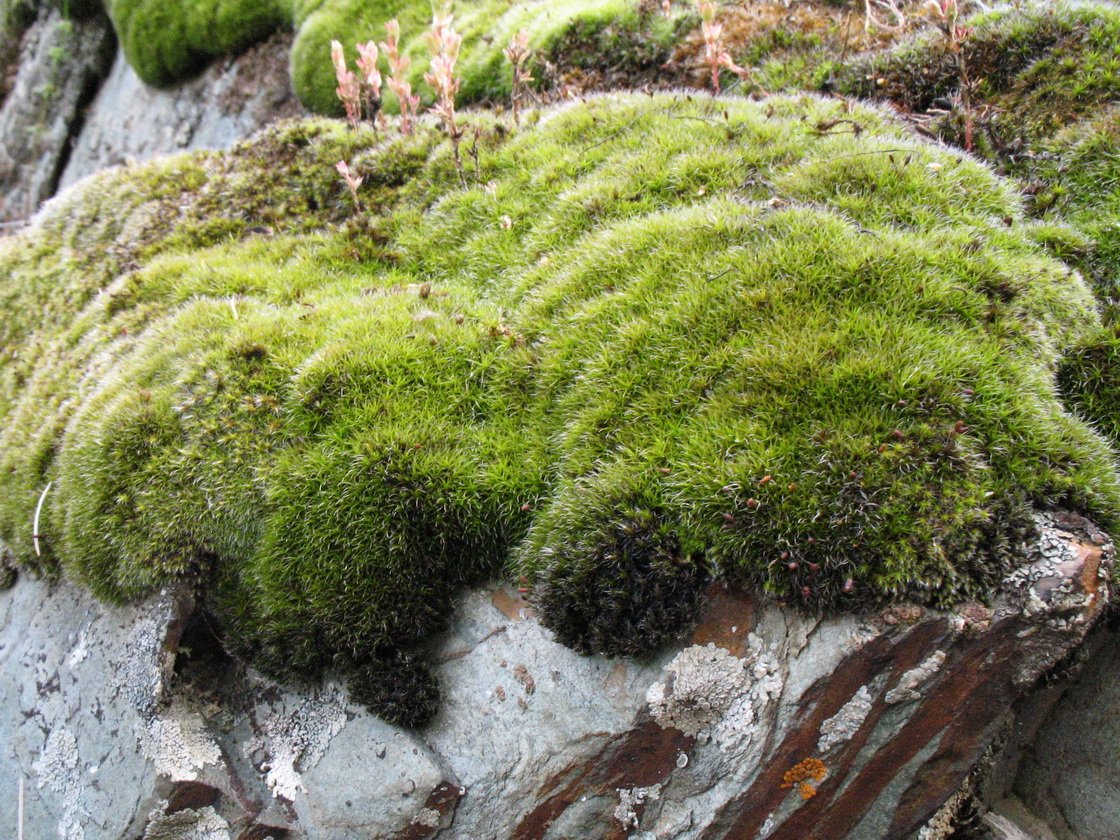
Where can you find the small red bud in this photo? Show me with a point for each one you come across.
(752, 503)
(882, 449)
(784, 555)
(814, 566)
(729, 517)
(898, 433)
(806, 591)
(526, 507)
(792, 567)
(664, 470)
(968, 392)
(727, 488)
(811, 540)
(765, 479)
(849, 585)
(960, 427)
(792, 486)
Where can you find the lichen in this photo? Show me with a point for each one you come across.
(912, 680)
(846, 722)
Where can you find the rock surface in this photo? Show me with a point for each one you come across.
(75, 107)
(130, 721)
(61, 64)
(129, 121)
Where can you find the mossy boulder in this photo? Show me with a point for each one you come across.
(653, 340)
(168, 40)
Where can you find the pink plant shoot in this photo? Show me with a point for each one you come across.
(352, 183)
(370, 77)
(518, 53)
(443, 44)
(349, 88)
(713, 39)
(397, 82)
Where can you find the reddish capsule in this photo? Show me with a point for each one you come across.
(849, 585)
(765, 479)
(811, 540)
(960, 427)
(664, 470)
(526, 507)
(752, 503)
(792, 486)
(785, 555)
(898, 433)
(813, 567)
(729, 517)
(727, 488)
(792, 567)
(968, 392)
(882, 449)
(806, 591)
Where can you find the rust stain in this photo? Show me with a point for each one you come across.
(645, 755)
(744, 815)
(1090, 556)
(728, 617)
(444, 799)
(513, 607)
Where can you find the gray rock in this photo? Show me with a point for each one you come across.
(1071, 774)
(764, 724)
(130, 121)
(61, 65)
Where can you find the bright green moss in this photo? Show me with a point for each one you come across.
(661, 339)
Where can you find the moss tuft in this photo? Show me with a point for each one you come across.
(786, 344)
(399, 689)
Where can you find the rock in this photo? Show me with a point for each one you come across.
(127, 722)
(1071, 774)
(61, 65)
(130, 121)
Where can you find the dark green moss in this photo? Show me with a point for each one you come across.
(660, 338)
(1034, 69)
(399, 689)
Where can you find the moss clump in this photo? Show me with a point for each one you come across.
(168, 40)
(661, 338)
(399, 689)
(1034, 68)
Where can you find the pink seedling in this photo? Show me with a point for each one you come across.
(443, 44)
(370, 78)
(518, 54)
(946, 13)
(397, 81)
(352, 183)
(349, 88)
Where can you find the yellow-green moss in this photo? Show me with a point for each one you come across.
(659, 339)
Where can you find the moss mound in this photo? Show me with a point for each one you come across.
(1034, 69)
(168, 40)
(655, 339)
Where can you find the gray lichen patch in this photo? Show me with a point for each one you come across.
(187, 824)
(844, 724)
(712, 693)
(912, 680)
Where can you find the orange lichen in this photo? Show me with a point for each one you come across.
(801, 773)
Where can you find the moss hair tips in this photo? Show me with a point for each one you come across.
(652, 341)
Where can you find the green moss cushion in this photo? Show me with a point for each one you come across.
(653, 340)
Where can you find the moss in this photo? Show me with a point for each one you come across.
(659, 339)
(1034, 68)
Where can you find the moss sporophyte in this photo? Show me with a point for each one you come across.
(660, 339)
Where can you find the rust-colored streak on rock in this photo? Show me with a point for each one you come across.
(511, 607)
(1090, 556)
(193, 795)
(644, 756)
(725, 609)
(966, 689)
(443, 800)
(745, 815)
